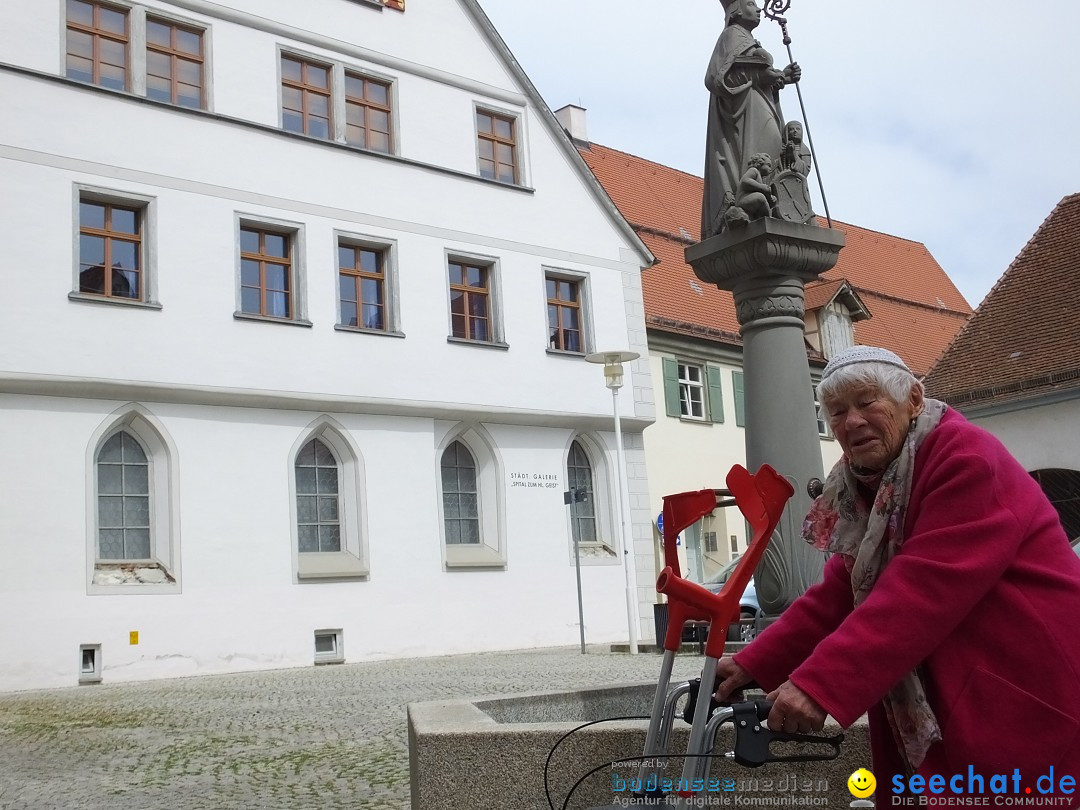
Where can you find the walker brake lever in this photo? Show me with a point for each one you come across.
(753, 738)
(691, 701)
(714, 704)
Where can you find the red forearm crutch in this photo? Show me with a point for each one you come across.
(761, 498)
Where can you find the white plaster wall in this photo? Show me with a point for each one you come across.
(1043, 437)
(196, 247)
(428, 39)
(240, 605)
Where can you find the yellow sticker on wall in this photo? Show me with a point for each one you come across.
(133, 637)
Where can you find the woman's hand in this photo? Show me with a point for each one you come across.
(730, 678)
(793, 710)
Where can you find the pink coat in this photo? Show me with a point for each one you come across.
(985, 595)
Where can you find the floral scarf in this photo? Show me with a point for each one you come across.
(839, 522)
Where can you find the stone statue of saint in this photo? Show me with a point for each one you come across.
(796, 154)
(790, 183)
(744, 112)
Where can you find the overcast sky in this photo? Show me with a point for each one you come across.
(952, 123)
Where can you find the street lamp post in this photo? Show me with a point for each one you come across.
(613, 379)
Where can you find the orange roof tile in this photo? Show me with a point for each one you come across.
(917, 307)
(820, 293)
(1022, 341)
(915, 332)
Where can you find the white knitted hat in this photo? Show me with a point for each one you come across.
(863, 354)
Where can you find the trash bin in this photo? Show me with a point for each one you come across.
(660, 622)
(694, 632)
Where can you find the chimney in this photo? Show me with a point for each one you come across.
(572, 119)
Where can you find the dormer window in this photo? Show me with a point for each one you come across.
(832, 308)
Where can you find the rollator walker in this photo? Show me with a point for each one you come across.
(761, 498)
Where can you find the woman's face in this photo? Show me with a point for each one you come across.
(870, 427)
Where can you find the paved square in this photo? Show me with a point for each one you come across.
(319, 737)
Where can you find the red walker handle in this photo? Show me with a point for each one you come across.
(761, 499)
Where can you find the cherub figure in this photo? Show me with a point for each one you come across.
(756, 196)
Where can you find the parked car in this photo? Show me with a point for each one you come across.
(748, 602)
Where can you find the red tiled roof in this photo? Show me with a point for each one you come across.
(820, 293)
(1023, 340)
(916, 308)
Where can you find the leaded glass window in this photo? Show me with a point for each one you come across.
(318, 513)
(123, 499)
(579, 476)
(461, 513)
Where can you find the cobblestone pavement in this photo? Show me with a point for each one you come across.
(318, 737)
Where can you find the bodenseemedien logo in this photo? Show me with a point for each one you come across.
(861, 785)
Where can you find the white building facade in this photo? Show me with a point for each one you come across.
(300, 373)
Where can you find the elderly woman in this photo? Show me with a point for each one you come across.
(949, 609)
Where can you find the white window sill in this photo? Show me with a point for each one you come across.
(149, 590)
(340, 327)
(144, 577)
(249, 316)
(487, 344)
(596, 554)
(330, 565)
(86, 298)
(473, 555)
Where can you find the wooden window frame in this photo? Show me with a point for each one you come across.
(137, 50)
(358, 275)
(175, 55)
(469, 292)
(264, 259)
(306, 90)
(147, 257)
(97, 34)
(495, 140)
(110, 236)
(367, 106)
(556, 331)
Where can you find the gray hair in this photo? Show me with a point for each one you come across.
(895, 382)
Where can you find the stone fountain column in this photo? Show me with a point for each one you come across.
(766, 264)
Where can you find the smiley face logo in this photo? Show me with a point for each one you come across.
(861, 783)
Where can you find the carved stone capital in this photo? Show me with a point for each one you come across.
(765, 247)
(754, 306)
